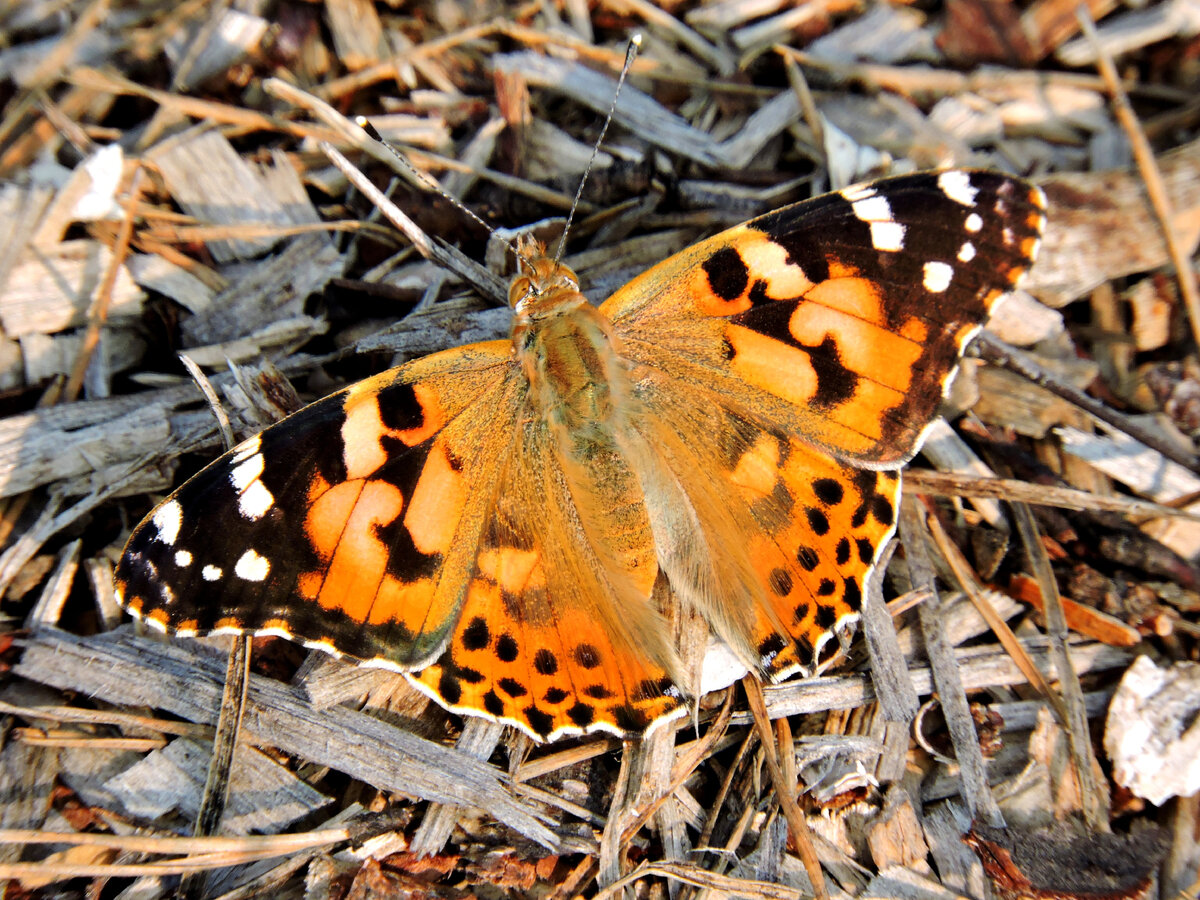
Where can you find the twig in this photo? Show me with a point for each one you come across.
(1001, 354)
(975, 788)
(1147, 165)
(785, 792)
(1070, 707)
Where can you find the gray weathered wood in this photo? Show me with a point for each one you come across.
(120, 667)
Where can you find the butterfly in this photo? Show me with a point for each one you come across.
(492, 520)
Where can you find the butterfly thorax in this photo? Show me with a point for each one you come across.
(568, 352)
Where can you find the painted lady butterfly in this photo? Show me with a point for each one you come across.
(491, 520)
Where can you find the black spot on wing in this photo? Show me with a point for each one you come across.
(512, 687)
(853, 594)
(399, 408)
(835, 383)
(581, 714)
(476, 635)
(507, 649)
(545, 662)
(817, 520)
(540, 721)
(587, 656)
(449, 688)
(727, 273)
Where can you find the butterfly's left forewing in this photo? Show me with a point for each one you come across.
(348, 526)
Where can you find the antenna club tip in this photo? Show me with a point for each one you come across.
(365, 125)
(636, 40)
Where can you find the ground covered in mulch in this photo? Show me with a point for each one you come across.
(1017, 715)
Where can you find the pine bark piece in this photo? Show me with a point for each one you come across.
(979, 667)
(264, 797)
(123, 669)
(51, 290)
(39, 448)
(1152, 735)
(357, 32)
(208, 178)
(273, 290)
(1091, 216)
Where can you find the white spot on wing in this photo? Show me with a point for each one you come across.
(956, 185)
(252, 567)
(966, 252)
(167, 519)
(211, 573)
(872, 209)
(937, 276)
(183, 558)
(255, 501)
(857, 192)
(247, 473)
(247, 448)
(974, 223)
(887, 236)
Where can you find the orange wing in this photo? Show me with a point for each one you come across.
(557, 637)
(784, 365)
(349, 526)
(424, 521)
(841, 319)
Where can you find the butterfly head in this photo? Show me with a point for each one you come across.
(542, 286)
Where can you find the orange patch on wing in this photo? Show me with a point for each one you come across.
(756, 471)
(769, 364)
(914, 330)
(855, 297)
(308, 585)
(436, 503)
(864, 413)
(402, 601)
(863, 348)
(512, 569)
(327, 517)
(360, 560)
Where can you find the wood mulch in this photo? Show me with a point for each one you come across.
(1018, 717)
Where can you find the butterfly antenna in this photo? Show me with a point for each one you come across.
(432, 185)
(631, 52)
